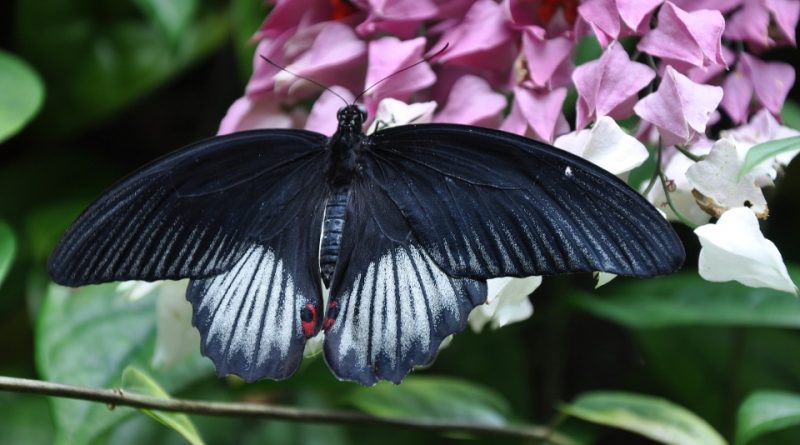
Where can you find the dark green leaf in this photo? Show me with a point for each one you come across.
(247, 16)
(765, 412)
(21, 94)
(173, 17)
(8, 249)
(652, 417)
(767, 150)
(138, 381)
(87, 337)
(791, 114)
(433, 398)
(98, 57)
(686, 299)
(25, 419)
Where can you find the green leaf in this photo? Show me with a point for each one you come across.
(138, 381)
(21, 94)
(767, 150)
(588, 49)
(433, 398)
(652, 417)
(173, 17)
(25, 419)
(97, 57)
(686, 299)
(791, 114)
(87, 337)
(246, 17)
(8, 249)
(765, 412)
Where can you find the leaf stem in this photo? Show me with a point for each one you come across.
(684, 151)
(115, 397)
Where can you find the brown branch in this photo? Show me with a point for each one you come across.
(114, 397)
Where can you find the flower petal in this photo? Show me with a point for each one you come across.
(392, 112)
(480, 40)
(771, 81)
(507, 302)
(734, 249)
(544, 56)
(389, 55)
(738, 93)
(786, 14)
(607, 145)
(248, 114)
(603, 17)
(322, 117)
(473, 102)
(542, 110)
(607, 85)
(691, 37)
(717, 178)
(634, 12)
(680, 108)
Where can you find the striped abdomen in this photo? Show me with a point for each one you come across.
(332, 228)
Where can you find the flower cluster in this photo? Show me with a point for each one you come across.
(671, 71)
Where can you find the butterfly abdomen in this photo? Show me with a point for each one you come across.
(332, 227)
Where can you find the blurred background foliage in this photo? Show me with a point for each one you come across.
(91, 89)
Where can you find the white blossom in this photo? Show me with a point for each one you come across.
(176, 338)
(507, 302)
(606, 145)
(734, 249)
(392, 112)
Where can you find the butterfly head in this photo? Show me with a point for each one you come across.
(351, 118)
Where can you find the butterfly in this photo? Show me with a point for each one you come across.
(403, 226)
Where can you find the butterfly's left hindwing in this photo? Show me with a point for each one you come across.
(390, 303)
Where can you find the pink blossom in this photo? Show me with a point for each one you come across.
(544, 57)
(481, 40)
(680, 109)
(472, 101)
(322, 117)
(608, 86)
(752, 22)
(738, 93)
(247, 114)
(293, 14)
(389, 55)
(612, 19)
(334, 56)
(401, 18)
(771, 81)
(555, 16)
(723, 6)
(537, 114)
(689, 37)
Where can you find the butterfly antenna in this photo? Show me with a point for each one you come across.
(305, 78)
(423, 60)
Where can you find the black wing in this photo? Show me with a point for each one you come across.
(390, 303)
(192, 213)
(485, 203)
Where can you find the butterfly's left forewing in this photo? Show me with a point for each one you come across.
(391, 304)
(485, 203)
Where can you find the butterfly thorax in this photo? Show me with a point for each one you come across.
(345, 148)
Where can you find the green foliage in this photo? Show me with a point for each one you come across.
(791, 114)
(686, 299)
(21, 94)
(88, 337)
(652, 417)
(98, 57)
(765, 412)
(767, 150)
(138, 381)
(433, 398)
(172, 17)
(8, 248)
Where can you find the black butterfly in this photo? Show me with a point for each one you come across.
(404, 226)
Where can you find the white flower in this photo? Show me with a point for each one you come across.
(135, 290)
(176, 338)
(762, 128)
(506, 302)
(607, 145)
(675, 169)
(392, 112)
(602, 278)
(734, 249)
(717, 179)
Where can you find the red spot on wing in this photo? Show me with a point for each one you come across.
(333, 311)
(310, 326)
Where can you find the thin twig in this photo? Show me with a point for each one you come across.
(672, 207)
(116, 397)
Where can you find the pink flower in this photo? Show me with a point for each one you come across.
(752, 22)
(335, 56)
(388, 55)
(322, 117)
(612, 19)
(293, 14)
(556, 16)
(608, 86)
(738, 93)
(544, 57)
(680, 109)
(248, 114)
(688, 37)
(401, 18)
(537, 114)
(771, 81)
(481, 40)
(472, 101)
